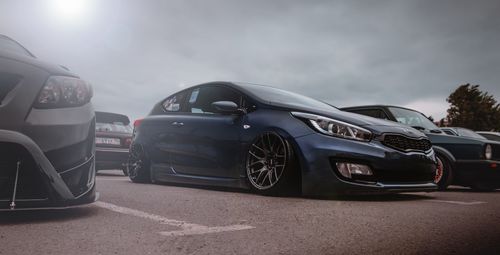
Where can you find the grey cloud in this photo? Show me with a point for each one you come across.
(343, 52)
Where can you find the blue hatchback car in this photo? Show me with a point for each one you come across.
(276, 142)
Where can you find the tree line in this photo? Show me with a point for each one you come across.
(473, 109)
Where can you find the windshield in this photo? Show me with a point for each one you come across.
(469, 133)
(9, 45)
(412, 118)
(113, 127)
(284, 97)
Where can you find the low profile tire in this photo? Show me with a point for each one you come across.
(138, 165)
(272, 167)
(444, 173)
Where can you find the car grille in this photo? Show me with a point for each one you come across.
(7, 83)
(404, 143)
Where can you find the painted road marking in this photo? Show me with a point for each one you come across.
(186, 228)
(456, 202)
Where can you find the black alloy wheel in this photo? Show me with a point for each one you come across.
(271, 167)
(444, 173)
(138, 165)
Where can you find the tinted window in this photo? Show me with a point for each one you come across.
(113, 127)
(175, 103)
(200, 99)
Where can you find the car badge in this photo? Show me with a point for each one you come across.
(246, 126)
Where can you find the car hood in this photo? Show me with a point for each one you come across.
(450, 139)
(50, 68)
(376, 126)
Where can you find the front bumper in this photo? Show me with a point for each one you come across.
(394, 171)
(111, 158)
(38, 183)
(472, 172)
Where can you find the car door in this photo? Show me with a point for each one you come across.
(205, 142)
(172, 110)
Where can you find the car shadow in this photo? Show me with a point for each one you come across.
(468, 190)
(50, 215)
(396, 197)
(367, 197)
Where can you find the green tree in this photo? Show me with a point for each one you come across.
(474, 109)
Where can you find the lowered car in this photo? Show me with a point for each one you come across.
(465, 161)
(47, 131)
(112, 140)
(273, 141)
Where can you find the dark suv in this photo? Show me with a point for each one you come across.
(463, 161)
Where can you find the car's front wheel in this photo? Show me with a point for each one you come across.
(138, 165)
(444, 173)
(272, 167)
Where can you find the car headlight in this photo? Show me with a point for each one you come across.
(488, 152)
(335, 128)
(64, 91)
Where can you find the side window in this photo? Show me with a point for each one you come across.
(174, 103)
(201, 99)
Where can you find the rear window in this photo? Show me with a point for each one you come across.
(113, 127)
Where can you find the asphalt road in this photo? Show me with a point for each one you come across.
(159, 219)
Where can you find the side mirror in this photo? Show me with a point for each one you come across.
(226, 107)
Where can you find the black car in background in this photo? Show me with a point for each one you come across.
(47, 129)
(462, 160)
(112, 140)
(276, 142)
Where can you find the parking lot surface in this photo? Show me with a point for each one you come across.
(134, 218)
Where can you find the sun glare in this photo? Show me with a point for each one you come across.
(69, 10)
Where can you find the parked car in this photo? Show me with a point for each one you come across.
(462, 160)
(276, 142)
(494, 136)
(459, 131)
(47, 131)
(113, 139)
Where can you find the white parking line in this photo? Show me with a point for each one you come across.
(186, 228)
(456, 202)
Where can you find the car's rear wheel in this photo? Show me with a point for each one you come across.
(138, 165)
(271, 166)
(444, 173)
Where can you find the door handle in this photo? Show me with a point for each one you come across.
(177, 124)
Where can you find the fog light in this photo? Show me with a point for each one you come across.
(348, 169)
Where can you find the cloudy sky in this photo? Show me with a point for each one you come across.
(135, 53)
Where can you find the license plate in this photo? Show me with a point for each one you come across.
(109, 141)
